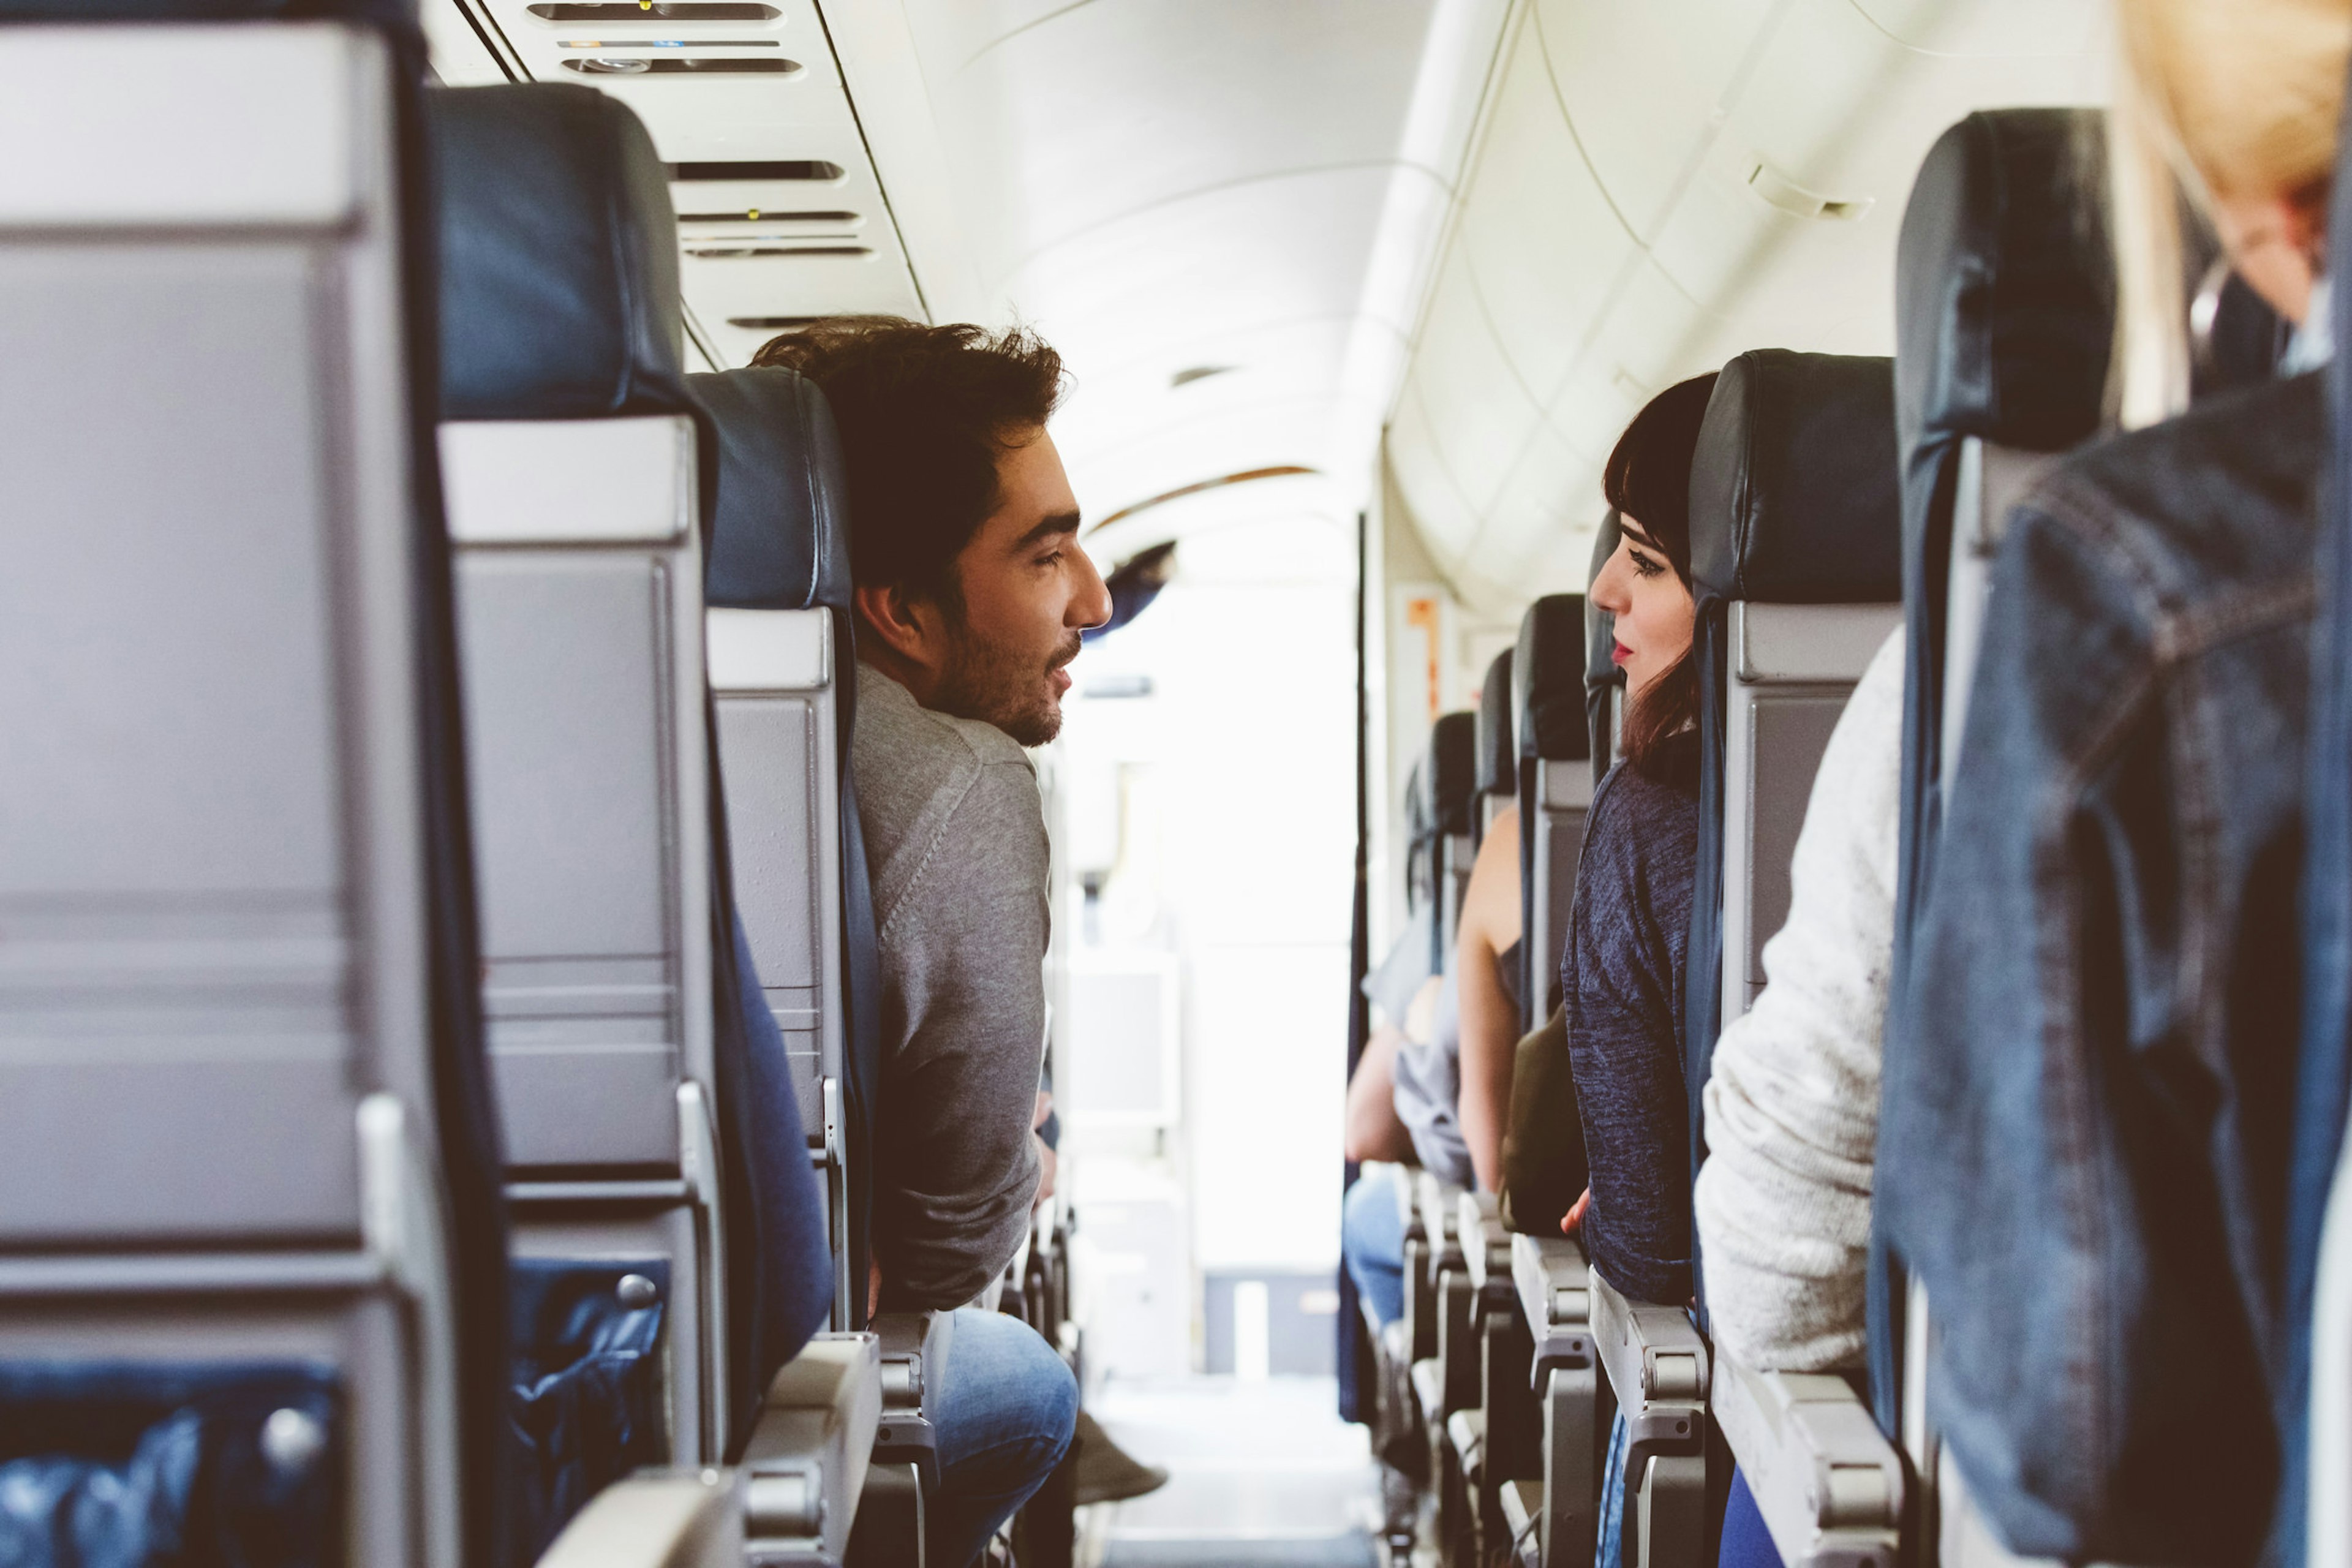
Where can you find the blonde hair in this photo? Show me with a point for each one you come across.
(2212, 97)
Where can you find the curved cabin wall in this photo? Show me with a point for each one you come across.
(1655, 188)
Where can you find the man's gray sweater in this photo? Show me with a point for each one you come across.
(956, 841)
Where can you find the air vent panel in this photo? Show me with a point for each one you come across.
(750, 252)
(811, 169)
(762, 215)
(609, 66)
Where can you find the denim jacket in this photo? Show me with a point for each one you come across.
(2089, 1078)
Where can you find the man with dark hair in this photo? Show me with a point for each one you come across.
(971, 597)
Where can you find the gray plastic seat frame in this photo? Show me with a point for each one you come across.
(579, 574)
(1827, 1483)
(1556, 813)
(1990, 479)
(1554, 1284)
(774, 677)
(1790, 667)
(217, 1134)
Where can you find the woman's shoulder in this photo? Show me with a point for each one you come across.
(1663, 789)
(1642, 816)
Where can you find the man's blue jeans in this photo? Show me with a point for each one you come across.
(1006, 1413)
(1371, 1239)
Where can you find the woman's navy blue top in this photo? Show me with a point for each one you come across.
(1622, 974)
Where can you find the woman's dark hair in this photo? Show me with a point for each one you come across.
(924, 415)
(1647, 479)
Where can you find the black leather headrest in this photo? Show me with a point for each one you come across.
(2004, 283)
(1548, 680)
(1452, 771)
(559, 256)
(1498, 758)
(1793, 491)
(1417, 822)
(780, 528)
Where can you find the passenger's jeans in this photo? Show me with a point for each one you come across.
(1609, 1541)
(1006, 1413)
(1371, 1240)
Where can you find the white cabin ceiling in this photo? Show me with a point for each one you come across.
(1612, 238)
(1274, 191)
(1255, 187)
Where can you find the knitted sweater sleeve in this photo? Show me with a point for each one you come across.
(1782, 1205)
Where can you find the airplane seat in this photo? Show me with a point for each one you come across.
(1604, 683)
(776, 620)
(1795, 528)
(1796, 536)
(251, 1238)
(1450, 772)
(2314, 1504)
(1494, 782)
(1555, 788)
(641, 1084)
(782, 654)
(2005, 308)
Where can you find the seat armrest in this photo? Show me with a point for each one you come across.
(657, 1519)
(1428, 1380)
(1658, 1365)
(1408, 1198)
(1466, 1431)
(915, 1348)
(1555, 1285)
(1439, 1203)
(1827, 1481)
(1652, 1353)
(805, 1465)
(1486, 1245)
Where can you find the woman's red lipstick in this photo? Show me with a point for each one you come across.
(1619, 653)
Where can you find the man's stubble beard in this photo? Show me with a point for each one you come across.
(985, 681)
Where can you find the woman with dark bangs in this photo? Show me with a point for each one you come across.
(1622, 974)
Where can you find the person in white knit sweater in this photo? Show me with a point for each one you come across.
(1782, 1205)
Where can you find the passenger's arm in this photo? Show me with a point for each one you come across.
(1783, 1203)
(957, 1164)
(1490, 1019)
(1374, 1131)
(1621, 982)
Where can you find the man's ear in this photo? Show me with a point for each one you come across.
(905, 623)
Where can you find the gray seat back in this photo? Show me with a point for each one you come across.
(1604, 683)
(569, 450)
(2005, 304)
(1555, 788)
(1449, 775)
(1495, 769)
(231, 874)
(780, 656)
(1796, 528)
